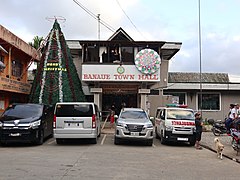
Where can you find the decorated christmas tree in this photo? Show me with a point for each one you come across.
(56, 78)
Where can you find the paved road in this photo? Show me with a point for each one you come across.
(208, 143)
(103, 161)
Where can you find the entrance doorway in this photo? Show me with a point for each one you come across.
(129, 100)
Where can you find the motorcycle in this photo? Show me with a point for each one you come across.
(235, 134)
(218, 127)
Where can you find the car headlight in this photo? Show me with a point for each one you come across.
(169, 128)
(148, 125)
(194, 129)
(121, 124)
(35, 124)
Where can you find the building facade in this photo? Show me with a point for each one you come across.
(116, 80)
(121, 71)
(15, 57)
(212, 95)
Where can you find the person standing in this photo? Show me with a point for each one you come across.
(198, 124)
(232, 116)
(237, 119)
(112, 114)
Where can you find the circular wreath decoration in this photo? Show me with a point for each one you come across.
(147, 61)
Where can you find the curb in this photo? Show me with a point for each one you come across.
(226, 156)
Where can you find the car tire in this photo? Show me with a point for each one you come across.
(149, 142)
(94, 140)
(99, 135)
(59, 141)
(192, 141)
(40, 137)
(3, 144)
(215, 132)
(162, 139)
(117, 141)
(157, 136)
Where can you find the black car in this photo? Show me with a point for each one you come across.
(28, 122)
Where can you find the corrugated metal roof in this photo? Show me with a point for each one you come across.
(185, 77)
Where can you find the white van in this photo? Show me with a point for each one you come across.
(175, 123)
(76, 120)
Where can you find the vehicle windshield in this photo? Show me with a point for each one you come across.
(179, 114)
(133, 115)
(22, 111)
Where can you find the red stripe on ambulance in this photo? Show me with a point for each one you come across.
(183, 123)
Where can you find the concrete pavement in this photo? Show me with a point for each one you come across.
(228, 152)
(206, 142)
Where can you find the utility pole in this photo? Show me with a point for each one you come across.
(98, 16)
(200, 53)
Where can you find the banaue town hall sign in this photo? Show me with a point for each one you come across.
(146, 68)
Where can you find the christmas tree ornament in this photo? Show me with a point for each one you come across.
(56, 79)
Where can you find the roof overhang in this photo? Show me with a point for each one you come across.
(74, 44)
(8, 39)
(169, 49)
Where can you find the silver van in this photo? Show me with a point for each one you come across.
(76, 120)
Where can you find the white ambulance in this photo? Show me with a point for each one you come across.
(175, 123)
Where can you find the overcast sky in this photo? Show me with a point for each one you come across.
(146, 20)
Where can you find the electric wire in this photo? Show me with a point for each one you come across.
(129, 19)
(94, 16)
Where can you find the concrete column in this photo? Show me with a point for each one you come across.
(10, 62)
(97, 97)
(143, 93)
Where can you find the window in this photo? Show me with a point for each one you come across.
(133, 115)
(181, 96)
(154, 92)
(2, 58)
(2, 66)
(23, 111)
(180, 114)
(160, 114)
(92, 54)
(127, 54)
(17, 68)
(74, 110)
(209, 101)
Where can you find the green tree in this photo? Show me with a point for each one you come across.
(36, 42)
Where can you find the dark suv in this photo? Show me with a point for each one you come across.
(26, 123)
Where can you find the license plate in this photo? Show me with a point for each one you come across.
(134, 133)
(15, 134)
(182, 139)
(73, 125)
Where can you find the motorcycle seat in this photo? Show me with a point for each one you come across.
(219, 121)
(236, 134)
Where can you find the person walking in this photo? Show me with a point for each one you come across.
(198, 124)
